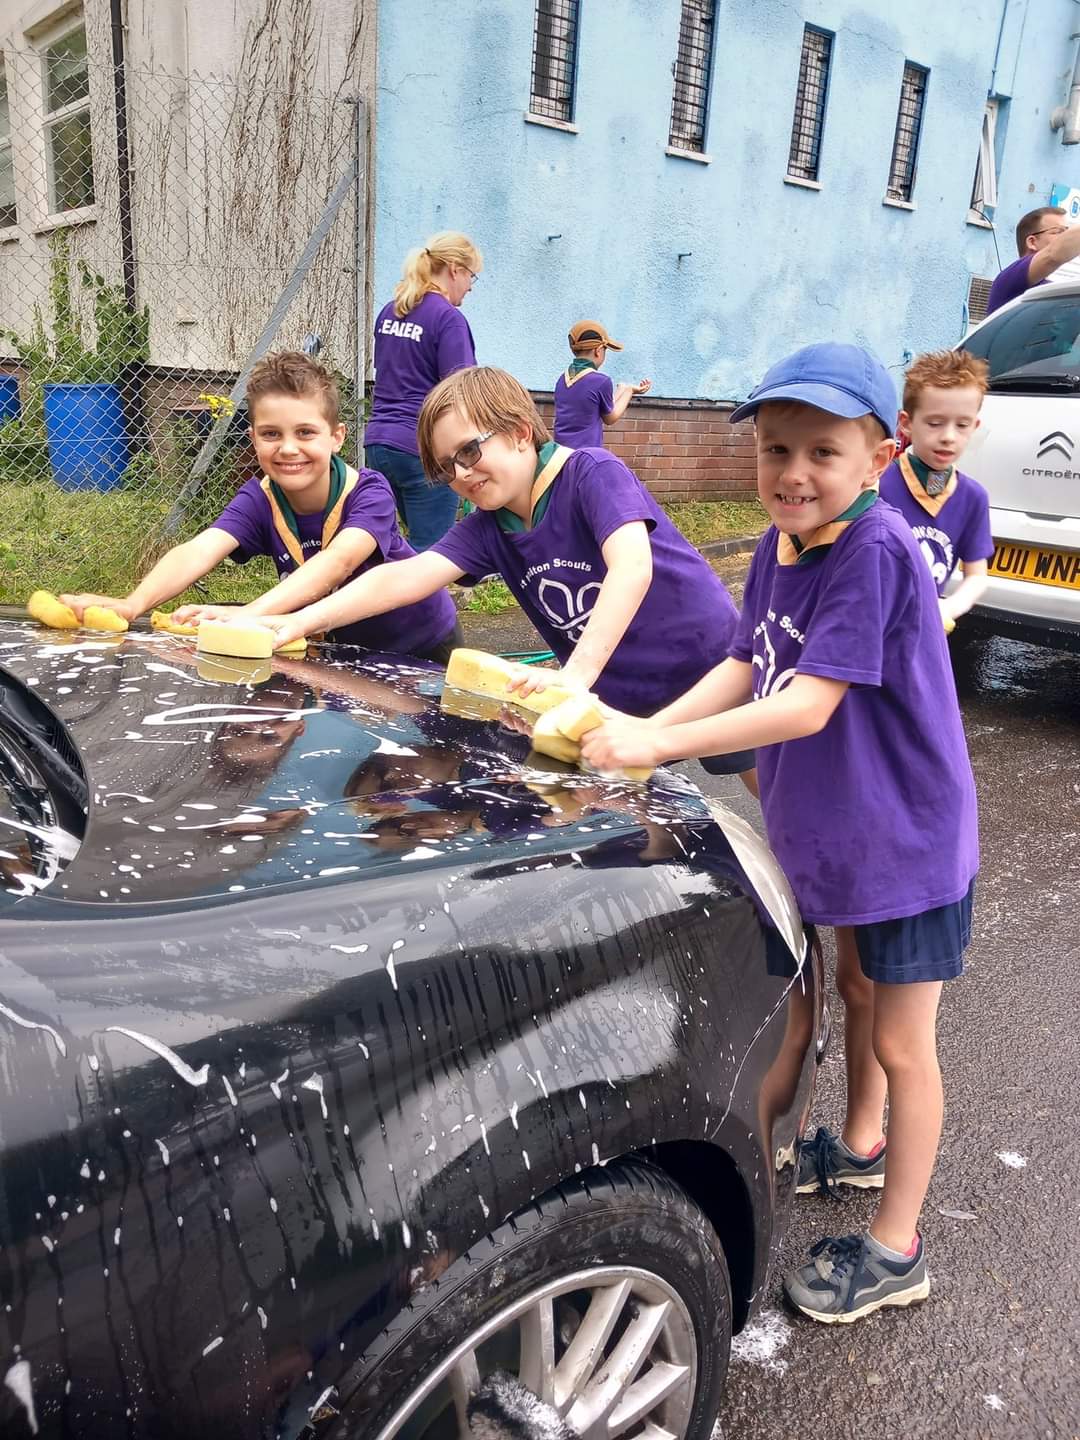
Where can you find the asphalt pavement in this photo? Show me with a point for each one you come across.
(994, 1352)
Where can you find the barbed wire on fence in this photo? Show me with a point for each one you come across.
(128, 311)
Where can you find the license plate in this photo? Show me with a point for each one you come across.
(1036, 565)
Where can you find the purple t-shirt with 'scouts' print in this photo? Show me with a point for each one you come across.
(686, 620)
(368, 506)
(874, 817)
(580, 407)
(413, 353)
(959, 532)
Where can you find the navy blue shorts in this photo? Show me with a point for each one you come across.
(929, 946)
(733, 764)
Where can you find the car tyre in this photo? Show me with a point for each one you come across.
(624, 1239)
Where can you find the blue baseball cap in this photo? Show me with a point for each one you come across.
(843, 380)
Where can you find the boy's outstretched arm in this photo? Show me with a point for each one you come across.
(623, 395)
(387, 587)
(802, 708)
(317, 577)
(174, 572)
(968, 592)
(628, 558)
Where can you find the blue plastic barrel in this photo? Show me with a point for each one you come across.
(10, 407)
(88, 446)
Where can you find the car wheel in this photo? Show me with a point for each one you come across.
(608, 1297)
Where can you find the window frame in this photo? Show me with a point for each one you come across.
(799, 171)
(985, 166)
(569, 61)
(914, 143)
(7, 143)
(693, 20)
(50, 118)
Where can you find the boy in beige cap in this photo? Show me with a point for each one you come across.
(585, 400)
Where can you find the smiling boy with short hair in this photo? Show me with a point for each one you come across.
(320, 521)
(839, 674)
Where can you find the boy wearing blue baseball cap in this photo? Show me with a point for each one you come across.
(839, 675)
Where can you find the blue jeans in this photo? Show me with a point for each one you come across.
(428, 510)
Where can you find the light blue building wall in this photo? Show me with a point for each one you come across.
(770, 265)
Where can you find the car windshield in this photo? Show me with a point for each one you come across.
(1034, 347)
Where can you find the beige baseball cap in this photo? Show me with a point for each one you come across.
(591, 332)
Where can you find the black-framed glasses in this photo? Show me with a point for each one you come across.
(465, 456)
(1052, 230)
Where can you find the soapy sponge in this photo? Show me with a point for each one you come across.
(163, 620)
(558, 732)
(482, 674)
(46, 609)
(228, 637)
(243, 638)
(97, 617)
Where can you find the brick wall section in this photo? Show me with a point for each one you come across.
(682, 449)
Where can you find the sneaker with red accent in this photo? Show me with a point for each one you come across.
(825, 1163)
(853, 1276)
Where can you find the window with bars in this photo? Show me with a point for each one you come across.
(809, 122)
(554, 66)
(68, 154)
(909, 117)
(8, 212)
(692, 70)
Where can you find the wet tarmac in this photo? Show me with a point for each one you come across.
(994, 1350)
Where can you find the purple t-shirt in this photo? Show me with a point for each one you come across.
(685, 622)
(413, 353)
(1011, 282)
(874, 817)
(368, 506)
(580, 407)
(960, 531)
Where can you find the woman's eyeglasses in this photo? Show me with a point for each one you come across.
(465, 457)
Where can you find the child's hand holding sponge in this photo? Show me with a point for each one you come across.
(47, 610)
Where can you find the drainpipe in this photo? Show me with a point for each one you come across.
(1066, 118)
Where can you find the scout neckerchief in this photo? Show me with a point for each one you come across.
(578, 368)
(792, 551)
(343, 480)
(549, 462)
(930, 488)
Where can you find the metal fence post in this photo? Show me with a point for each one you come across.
(361, 267)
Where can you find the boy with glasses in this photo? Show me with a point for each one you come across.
(585, 400)
(627, 604)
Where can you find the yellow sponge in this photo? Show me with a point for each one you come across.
(550, 740)
(97, 617)
(558, 732)
(226, 637)
(293, 647)
(44, 607)
(482, 674)
(163, 620)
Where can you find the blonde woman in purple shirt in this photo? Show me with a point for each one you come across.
(421, 336)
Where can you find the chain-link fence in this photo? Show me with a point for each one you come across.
(157, 233)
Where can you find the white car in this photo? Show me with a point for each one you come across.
(1027, 454)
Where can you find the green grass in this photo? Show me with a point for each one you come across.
(703, 521)
(103, 542)
(89, 540)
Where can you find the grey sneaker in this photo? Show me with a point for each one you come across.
(824, 1164)
(848, 1278)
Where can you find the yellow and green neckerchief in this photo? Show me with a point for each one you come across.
(343, 480)
(549, 462)
(790, 550)
(917, 476)
(577, 369)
